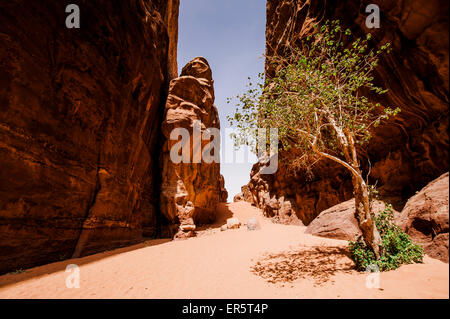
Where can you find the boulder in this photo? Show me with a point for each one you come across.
(253, 224)
(181, 235)
(233, 223)
(339, 222)
(438, 247)
(425, 218)
(188, 227)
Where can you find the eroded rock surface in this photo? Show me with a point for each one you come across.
(258, 192)
(244, 195)
(223, 190)
(425, 218)
(190, 190)
(339, 222)
(408, 151)
(80, 115)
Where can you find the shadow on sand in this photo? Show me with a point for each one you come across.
(317, 263)
(10, 279)
(222, 214)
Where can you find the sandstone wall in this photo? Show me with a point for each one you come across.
(80, 114)
(411, 149)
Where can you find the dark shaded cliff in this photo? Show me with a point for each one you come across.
(408, 151)
(80, 116)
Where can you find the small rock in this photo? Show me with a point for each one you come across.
(181, 235)
(233, 223)
(252, 224)
(223, 227)
(188, 227)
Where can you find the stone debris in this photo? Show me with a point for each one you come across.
(233, 223)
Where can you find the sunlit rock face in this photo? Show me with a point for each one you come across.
(408, 151)
(339, 222)
(80, 118)
(190, 189)
(425, 218)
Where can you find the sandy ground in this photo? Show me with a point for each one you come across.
(276, 261)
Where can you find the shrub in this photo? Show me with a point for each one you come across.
(397, 248)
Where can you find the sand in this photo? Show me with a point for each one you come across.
(276, 261)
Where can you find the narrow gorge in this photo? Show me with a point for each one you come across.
(87, 123)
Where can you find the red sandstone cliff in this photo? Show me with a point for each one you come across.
(80, 115)
(407, 152)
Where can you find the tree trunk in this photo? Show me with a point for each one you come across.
(363, 215)
(362, 204)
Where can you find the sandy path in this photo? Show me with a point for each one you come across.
(219, 265)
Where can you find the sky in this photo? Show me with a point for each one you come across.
(230, 34)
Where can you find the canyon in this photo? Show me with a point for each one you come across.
(406, 152)
(86, 116)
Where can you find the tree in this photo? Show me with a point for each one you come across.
(316, 100)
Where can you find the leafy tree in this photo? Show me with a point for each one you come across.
(316, 100)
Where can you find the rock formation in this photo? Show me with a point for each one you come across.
(244, 195)
(80, 118)
(339, 222)
(410, 149)
(191, 189)
(425, 218)
(223, 190)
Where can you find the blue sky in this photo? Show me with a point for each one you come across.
(230, 34)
